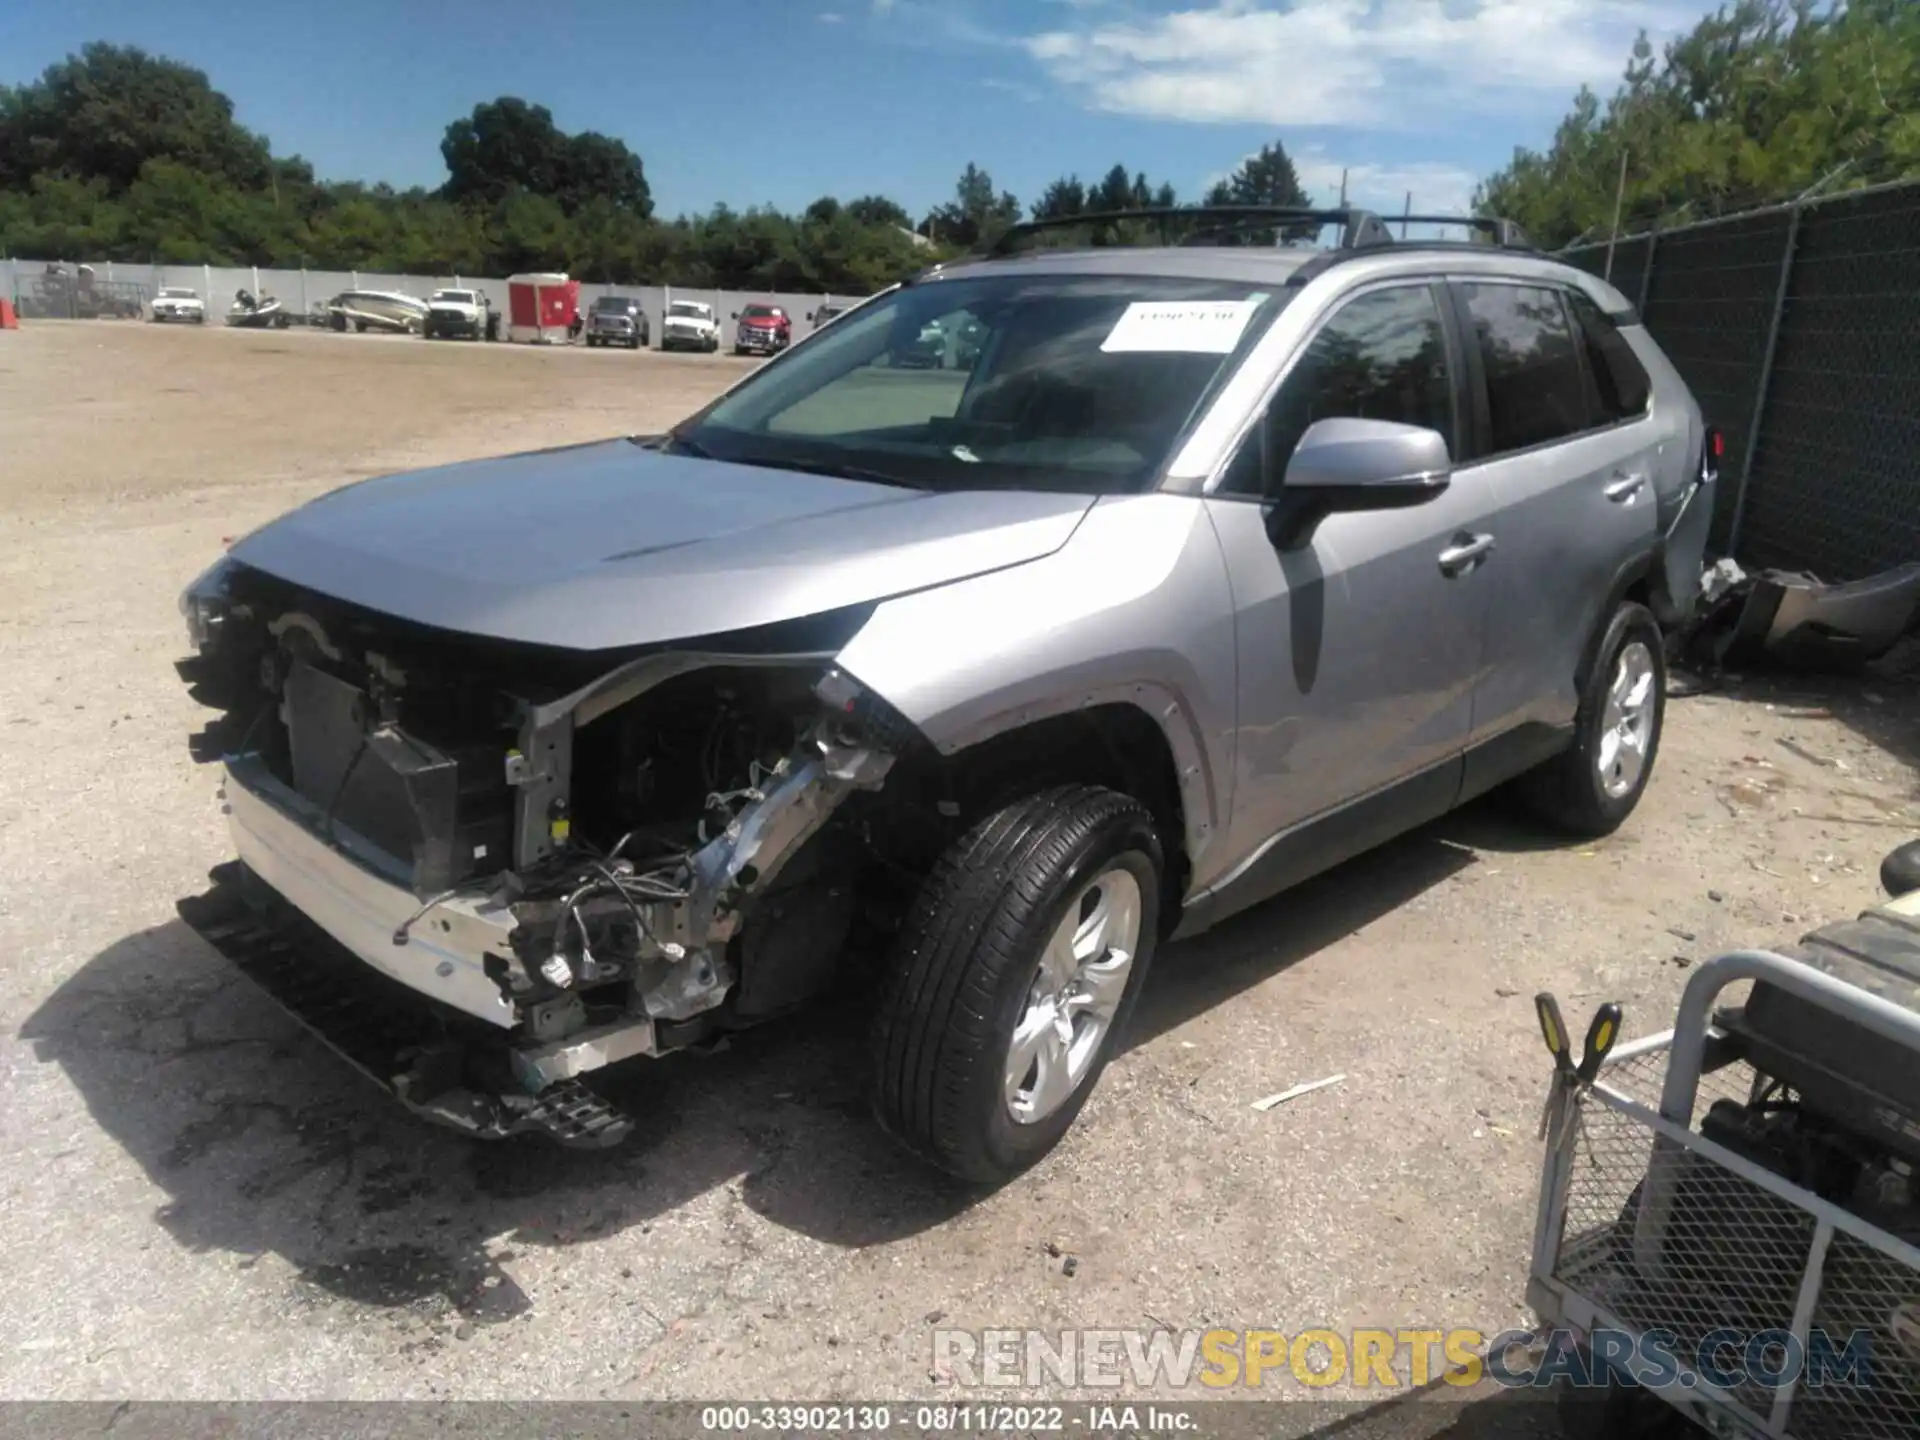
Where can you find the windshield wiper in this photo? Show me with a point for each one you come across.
(679, 445)
(827, 467)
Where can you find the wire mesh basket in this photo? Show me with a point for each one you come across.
(1784, 1314)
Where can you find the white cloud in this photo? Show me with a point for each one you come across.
(1437, 189)
(830, 17)
(882, 7)
(1358, 64)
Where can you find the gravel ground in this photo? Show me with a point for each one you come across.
(202, 1203)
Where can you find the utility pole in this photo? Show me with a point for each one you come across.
(1619, 199)
(1343, 187)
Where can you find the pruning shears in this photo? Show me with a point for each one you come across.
(1569, 1076)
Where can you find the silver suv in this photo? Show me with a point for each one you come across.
(956, 688)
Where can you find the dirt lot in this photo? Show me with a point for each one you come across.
(200, 1202)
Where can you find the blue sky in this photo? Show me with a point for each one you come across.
(780, 101)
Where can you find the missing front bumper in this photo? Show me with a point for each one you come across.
(436, 1062)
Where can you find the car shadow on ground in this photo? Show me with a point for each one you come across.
(1193, 976)
(264, 1142)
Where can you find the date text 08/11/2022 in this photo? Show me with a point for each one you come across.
(962, 1419)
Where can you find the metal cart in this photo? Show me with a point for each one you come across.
(1676, 1268)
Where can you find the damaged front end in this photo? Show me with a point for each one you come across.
(483, 871)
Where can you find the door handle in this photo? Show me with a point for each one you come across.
(1465, 552)
(1622, 488)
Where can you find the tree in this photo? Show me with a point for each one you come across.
(106, 112)
(878, 210)
(1759, 101)
(116, 155)
(1264, 178)
(976, 214)
(508, 144)
(1062, 200)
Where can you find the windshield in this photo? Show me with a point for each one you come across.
(178, 295)
(687, 310)
(455, 297)
(616, 304)
(1074, 382)
(761, 312)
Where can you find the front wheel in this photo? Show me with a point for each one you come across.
(1018, 965)
(1590, 788)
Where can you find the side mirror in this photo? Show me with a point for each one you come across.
(1368, 465)
(1348, 465)
(736, 315)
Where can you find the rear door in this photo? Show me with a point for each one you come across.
(1575, 479)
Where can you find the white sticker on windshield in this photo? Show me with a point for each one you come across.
(1194, 327)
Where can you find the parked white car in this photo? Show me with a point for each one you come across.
(176, 303)
(689, 325)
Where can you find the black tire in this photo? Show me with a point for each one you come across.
(1567, 791)
(1900, 870)
(966, 961)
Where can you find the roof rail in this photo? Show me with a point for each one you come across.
(1359, 229)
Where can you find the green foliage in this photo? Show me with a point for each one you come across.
(1266, 178)
(508, 145)
(117, 155)
(1761, 101)
(976, 214)
(106, 112)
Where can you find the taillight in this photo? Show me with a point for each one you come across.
(1712, 454)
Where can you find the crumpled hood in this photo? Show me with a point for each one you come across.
(604, 545)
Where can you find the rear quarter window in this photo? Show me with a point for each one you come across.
(1625, 390)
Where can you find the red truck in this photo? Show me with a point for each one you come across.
(764, 330)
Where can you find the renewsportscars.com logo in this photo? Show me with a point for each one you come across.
(1371, 1359)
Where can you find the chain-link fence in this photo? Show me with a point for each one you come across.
(1798, 328)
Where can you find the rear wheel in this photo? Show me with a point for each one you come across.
(1590, 788)
(1019, 964)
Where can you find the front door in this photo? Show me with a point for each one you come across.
(1358, 647)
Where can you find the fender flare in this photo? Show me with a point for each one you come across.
(1641, 568)
(1197, 786)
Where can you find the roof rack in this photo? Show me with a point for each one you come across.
(1504, 233)
(1358, 228)
(1238, 224)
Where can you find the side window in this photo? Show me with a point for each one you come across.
(1622, 380)
(1535, 390)
(1382, 356)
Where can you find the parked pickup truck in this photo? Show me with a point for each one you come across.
(455, 313)
(689, 325)
(618, 320)
(764, 330)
